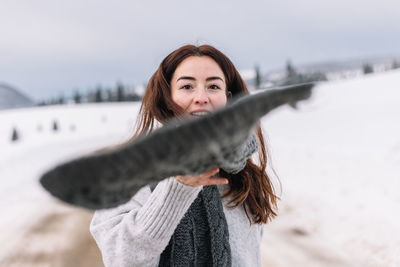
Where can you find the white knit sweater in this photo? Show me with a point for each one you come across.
(136, 233)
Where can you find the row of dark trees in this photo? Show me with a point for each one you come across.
(369, 68)
(100, 94)
(293, 76)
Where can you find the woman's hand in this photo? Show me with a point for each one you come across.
(202, 179)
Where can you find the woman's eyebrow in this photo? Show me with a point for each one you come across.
(186, 78)
(193, 79)
(214, 78)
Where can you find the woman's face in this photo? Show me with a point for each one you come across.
(198, 86)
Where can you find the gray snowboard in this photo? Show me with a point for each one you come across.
(107, 179)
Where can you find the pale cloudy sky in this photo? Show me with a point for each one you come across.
(50, 47)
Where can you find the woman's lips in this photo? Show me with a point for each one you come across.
(200, 113)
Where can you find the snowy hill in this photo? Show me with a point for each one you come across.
(337, 158)
(12, 98)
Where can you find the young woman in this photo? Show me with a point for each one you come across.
(213, 219)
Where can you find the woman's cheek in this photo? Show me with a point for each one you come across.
(221, 101)
(182, 100)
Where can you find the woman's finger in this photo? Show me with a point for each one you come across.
(203, 179)
(212, 180)
(215, 181)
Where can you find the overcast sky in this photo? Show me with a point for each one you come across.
(49, 47)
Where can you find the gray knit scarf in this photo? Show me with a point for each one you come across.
(202, 236)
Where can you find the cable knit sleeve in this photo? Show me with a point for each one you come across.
(136, 233)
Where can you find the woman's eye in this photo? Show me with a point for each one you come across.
(214, 86)
(187, 86)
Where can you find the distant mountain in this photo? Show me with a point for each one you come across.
(12, 98)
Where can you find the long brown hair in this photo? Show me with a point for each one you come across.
(252, 186)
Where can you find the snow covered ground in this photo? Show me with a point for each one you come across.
(337, 158)
(27, 209)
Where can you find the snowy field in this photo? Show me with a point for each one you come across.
(337, 157)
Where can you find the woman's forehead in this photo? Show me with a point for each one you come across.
(198, 67)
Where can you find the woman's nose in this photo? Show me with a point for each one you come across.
(201, 97)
